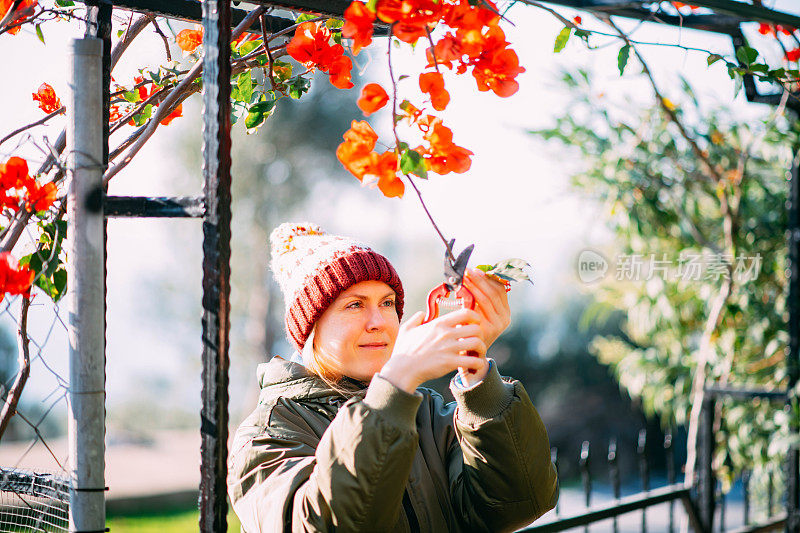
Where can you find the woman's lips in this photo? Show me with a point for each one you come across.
(374, 345)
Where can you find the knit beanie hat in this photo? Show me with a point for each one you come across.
(313, 267)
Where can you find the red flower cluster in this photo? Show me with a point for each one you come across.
(23, 11)
(311, 46)
(16, 184)
(14, 279)
(442, 156)
(476, 41)
(46, 96)
(358, 156)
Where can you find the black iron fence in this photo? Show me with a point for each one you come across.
(666, 502)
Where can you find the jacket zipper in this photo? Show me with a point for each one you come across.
(413, 522)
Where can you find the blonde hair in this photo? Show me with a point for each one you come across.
(322, 364)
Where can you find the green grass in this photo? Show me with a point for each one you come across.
(166, 522)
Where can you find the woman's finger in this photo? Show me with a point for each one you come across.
(480, 288)
(472, 344)
(469, 362)
(461, 316)
(414, 321)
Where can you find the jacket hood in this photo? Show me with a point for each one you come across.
(279, 377)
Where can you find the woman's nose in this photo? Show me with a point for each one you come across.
(375, 320)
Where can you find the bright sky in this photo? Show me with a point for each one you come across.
(514, 202)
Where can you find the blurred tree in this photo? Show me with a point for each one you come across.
(696, 197)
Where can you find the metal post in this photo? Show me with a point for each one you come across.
(216, 263)
(87, 288)
(793, 357)
(706, 483)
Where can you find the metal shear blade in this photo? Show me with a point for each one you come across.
(454, 270)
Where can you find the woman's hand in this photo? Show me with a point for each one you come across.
(428, 351)
(491, 302)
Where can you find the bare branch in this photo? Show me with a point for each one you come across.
(178, 94)
(163, 38)
(24, 359)
(39, 122)
(131, 33)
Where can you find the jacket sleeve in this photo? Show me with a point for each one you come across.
(500, 473)
(282, 477)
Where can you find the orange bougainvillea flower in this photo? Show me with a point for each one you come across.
(385, 169)
(411, 19)
(13, 173)
(188, 40)
(114, 113)
(40, 198)
(793, 55)
(498, 66)
(23, 11)
(177, 112)
(357, 155)
(361, 132)
(358, 25)
(373, 97)
(46, 96)
(14, 279)
(144, 91)
(432, 83)
(340, 72)
(443, 156)
(311, 46)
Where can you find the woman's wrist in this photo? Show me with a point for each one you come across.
(400, 378)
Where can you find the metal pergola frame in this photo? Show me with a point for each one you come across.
(214, 206)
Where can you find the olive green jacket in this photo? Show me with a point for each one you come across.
(307, 459)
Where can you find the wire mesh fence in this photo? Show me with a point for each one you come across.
(33, 501)
(34, 348)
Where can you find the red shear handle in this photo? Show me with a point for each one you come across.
(440, 293)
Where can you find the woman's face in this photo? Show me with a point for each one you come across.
(358, 330)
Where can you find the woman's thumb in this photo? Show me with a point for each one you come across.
(415, 320)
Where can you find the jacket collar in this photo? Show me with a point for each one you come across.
(292, 380)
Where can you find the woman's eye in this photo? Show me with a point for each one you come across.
(389, 303)
(354, 305)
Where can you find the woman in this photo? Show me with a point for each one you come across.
(342, 439)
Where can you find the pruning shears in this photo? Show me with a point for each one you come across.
(454, 277)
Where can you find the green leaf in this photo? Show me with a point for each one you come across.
(562, 38)
(583, 34)
(65, 3)
(713, 58)
(265, 107)
(39, 33)
(334, 23)
(297, 86)
(622, 58)
(245, 84)
(131, 96)
(249, 46)
(746, 55)
(409, 161)
(59, 283)
(513, 269)
(304, 17)
(372, 5)
(337, 37)
(253, 119)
